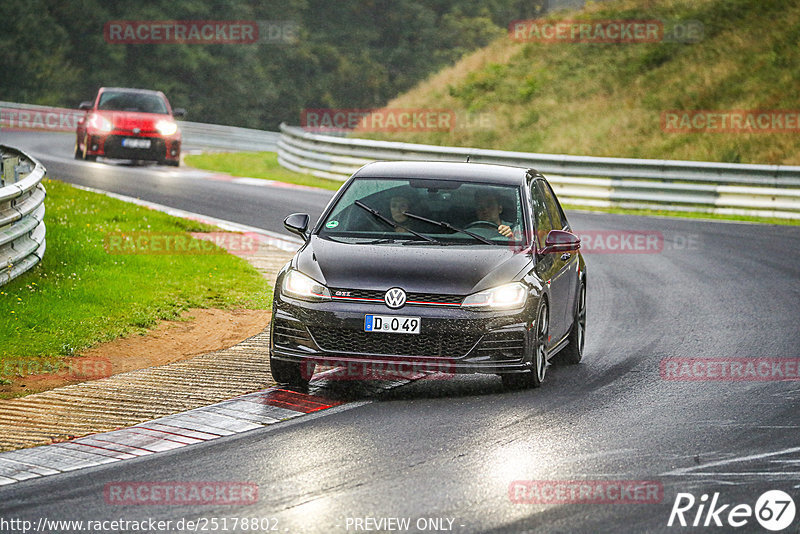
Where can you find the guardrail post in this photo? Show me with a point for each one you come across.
(10, 174)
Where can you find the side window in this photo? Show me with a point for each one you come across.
(541, 218)
(556, 215)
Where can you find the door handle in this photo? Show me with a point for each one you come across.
(565, 256)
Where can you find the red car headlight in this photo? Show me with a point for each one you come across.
(98, 122)
(166, 127)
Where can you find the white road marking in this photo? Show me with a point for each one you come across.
(689, 470)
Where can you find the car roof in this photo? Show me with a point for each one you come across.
(445, 170)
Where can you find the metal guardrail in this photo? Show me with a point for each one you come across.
(218, 137)
(196, 135)
(22, 230)
(724, 188)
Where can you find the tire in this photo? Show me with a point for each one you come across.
(85, 154)
(573, 352)
(170, 163)
(78, 153)
(294, 374)
(538, 350)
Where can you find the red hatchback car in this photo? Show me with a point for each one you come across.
(134, 124)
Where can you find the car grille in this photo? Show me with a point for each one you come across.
(287, 333)
(502, 345)
(432, 344)
(113, 149)
(425, 299)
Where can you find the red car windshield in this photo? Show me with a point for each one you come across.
(140, 102)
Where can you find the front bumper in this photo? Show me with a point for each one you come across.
(110, 146)
(451, 340)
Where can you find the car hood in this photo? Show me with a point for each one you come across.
(452, 269)
(128, 120)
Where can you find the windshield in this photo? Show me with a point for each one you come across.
(451, 212)
(127, 101)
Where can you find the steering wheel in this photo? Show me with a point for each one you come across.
(482, 224)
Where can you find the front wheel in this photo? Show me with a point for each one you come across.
(86, 155)
(573, 352)
(538, 348)
(294, 374)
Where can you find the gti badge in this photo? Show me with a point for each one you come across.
(395, 298)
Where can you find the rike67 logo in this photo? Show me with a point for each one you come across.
(774, 510)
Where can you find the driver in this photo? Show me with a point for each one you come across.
(488, 208)
(398, 205)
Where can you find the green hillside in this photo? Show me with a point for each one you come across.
(608, 99)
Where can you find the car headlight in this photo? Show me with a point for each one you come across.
(166, 127)
(297, 285)
(98, 122)
(505, 297)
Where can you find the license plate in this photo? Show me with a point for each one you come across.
(136, 143)
(392, 324)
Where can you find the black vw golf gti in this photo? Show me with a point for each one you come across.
(433, 266)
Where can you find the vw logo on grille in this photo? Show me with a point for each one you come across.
(136, 130)
(395, 298)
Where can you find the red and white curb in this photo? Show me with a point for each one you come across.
(235, 416)
(241, 414)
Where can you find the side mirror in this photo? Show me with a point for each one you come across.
(179, 113)
(297, 223)
(560, 241)
(87, 105)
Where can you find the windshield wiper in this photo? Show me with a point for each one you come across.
(448, 226)
(391, 223)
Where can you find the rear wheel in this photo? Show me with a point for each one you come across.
(573, 352)
(538, 349)
(78, 153)
(293, 374)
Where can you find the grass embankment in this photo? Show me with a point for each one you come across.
(80, 294)
(256, 165)
(608, 99)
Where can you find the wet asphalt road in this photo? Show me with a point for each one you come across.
(451, 448)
